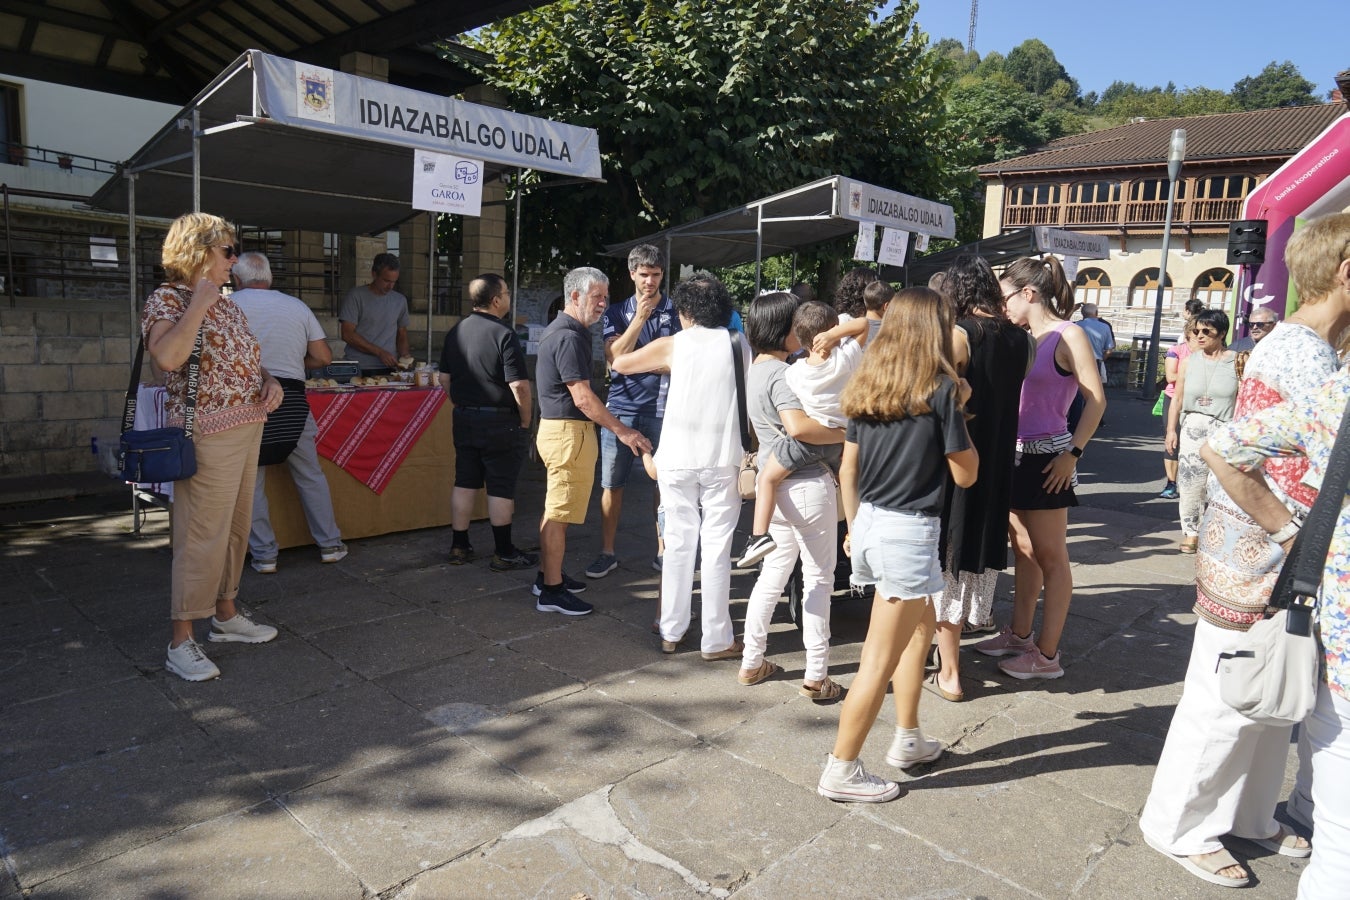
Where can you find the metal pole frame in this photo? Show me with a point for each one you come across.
(431, 276)
(515, 258)
(1155, 337)
(196, 161)
(131, 262)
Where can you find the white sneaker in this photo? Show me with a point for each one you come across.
(264, 566)
(909, 751)
(240, 628)
(189, 663)
(335, 553)
(846, 780)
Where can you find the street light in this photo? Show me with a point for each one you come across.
(1174, 157)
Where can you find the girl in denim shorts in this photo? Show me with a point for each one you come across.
(906, 436)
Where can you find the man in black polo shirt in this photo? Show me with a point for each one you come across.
(567, 441)
(483, 370)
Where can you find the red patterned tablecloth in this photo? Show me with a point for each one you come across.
(369, 432)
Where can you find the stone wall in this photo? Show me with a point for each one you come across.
(63, 375)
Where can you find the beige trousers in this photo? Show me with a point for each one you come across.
(212, 515)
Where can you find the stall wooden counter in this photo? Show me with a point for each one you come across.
(417, 495)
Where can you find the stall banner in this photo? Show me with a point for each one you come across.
(449, 184)
(864, 202)
(865, 250)
(894, 247)
(1073, 243)
(320, 99)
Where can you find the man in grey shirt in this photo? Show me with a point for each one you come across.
(374, 319)
(292, 341)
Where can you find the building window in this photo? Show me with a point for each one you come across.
(1218, 198)
(1213, 287)
(1032, 204)
(1144, 289)
(11, 124)
(1094, 192)
(1092, 286)
(1033, 194)
(1148, 200)
(1093, 203)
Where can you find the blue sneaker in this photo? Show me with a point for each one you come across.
(1170, 492)
(561, 600)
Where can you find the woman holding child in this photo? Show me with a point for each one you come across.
(906, 433)
(805, 513)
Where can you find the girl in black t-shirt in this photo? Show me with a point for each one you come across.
(906, 433)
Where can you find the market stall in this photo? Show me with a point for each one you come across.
(280, 144)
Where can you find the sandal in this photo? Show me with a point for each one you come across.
(828, 690)
(763, 672)
(1283, 842)
(1189, 544)
(969, 629)
(1207, 866)
(931, 682)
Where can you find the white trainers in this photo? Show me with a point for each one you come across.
(189, 663)
(240, 628)
(910, 750)
(846, 780)
(264, 566)
(335, 553)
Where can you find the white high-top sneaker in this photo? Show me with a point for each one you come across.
(846, 780)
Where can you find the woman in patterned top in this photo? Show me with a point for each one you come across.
(1307, 429)
(213, 509)
(1220, 772)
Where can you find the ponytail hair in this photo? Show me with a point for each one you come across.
(1046, 276)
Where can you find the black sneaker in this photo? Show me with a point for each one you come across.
(755, 550)
(518, 559)
(569, 584)
(561, 600)
(461, 555)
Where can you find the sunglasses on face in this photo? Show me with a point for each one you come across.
(1263, 325)
(231, 251)
(1205, 332)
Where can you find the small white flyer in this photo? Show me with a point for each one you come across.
(894, 246)
(444, 183)
(867, 242)
(921, 243)
(1070, 268)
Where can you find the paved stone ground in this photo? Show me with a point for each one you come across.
(419, 731)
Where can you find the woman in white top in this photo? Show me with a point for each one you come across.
(698, 460)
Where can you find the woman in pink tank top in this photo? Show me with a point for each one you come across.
(1040, 298)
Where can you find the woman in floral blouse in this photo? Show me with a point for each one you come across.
(213, 509)
(1308, 429)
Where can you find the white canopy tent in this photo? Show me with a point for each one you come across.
(280, 144)
(830, 207)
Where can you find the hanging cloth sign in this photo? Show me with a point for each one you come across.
(444, 183)
(865, 251)
(894, 246)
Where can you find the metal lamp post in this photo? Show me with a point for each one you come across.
(1175, 155)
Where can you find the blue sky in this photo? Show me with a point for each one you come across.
(1201, 43)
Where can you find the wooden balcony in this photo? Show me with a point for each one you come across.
(1133, 212)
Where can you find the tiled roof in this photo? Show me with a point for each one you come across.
(1243, 135)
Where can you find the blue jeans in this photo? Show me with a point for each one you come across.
(616, 460)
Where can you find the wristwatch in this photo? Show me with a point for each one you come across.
(1285, 533)
(1076, 452)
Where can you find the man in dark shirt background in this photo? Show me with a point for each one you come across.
(567, 440)
(483, 371)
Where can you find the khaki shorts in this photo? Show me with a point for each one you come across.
(568, 448)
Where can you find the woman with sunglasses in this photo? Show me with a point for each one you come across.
(212, 510)
(1207, 386)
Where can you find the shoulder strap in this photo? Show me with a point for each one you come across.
(1301, 575)
(738, 362)
(194, 375)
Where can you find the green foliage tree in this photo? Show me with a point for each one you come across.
(701, 105)
(1122, 101)
(1033, 65)
(1278, 84)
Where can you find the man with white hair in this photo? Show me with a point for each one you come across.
(1260, 322)
(292, 341)
(567, 442)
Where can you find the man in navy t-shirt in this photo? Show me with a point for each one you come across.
(637, 401)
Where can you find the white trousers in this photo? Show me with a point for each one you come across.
(701, 507)
(314, 499)
(1220, 772)
(805, 524)
(1328, 728)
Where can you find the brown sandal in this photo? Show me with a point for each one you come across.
(828, 690)
(765, 671)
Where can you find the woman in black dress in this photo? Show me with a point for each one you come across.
(974, 519)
